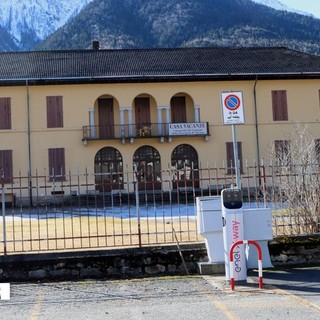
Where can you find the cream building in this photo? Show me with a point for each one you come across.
(155, 113)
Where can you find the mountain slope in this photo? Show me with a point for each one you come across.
(275, 4)
(63, 24)
(31, 21)
(7, 43)
(175, 23)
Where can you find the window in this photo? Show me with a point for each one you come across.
(147, 167)
(230, 157)
(54, 112)
(56, 164)
(279, 105)
(6, 170)
(108, 169)
(282, 152)
(5, 111)
(185, 167)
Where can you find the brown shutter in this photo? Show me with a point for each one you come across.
(142, 112)
(54, 112)
(178, 110)
(230, 157)
(6, 168)
(279, 105)
(106, 118)
(56, 163)
(5, 112)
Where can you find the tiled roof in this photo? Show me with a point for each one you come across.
(156, 64)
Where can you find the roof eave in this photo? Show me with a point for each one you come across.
(159, 78)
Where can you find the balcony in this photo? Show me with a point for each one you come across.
(153, 130)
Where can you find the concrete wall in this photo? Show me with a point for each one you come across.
(141, 262)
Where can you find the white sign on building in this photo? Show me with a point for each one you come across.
(232, 107)
(188, 129)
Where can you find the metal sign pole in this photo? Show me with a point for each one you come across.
(235, 153)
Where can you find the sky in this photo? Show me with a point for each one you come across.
(310, 6)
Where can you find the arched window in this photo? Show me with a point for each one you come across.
(185, 167)
(108, 168)
(147, 167)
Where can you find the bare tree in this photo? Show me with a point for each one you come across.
(295, 163)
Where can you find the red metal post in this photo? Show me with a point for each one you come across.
(256, 244)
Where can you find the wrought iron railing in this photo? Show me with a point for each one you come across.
(77, 213)
(144, 130)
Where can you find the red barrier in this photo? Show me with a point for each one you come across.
(256, 244)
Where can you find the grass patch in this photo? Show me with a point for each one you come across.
(35, 235)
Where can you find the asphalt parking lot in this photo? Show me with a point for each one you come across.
(286, 294)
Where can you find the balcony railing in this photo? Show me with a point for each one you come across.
(152, 130)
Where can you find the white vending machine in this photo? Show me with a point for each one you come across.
(210, 226)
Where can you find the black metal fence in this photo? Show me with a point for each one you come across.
(74, 213)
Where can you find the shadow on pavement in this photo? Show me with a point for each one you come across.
(293, 279)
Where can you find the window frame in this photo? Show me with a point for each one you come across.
(108, 169)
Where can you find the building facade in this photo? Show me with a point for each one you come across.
(151, 116)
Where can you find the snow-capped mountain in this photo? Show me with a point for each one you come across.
(30, 21)
(278, 5)
(59, 24)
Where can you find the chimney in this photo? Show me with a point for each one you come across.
(95, 45)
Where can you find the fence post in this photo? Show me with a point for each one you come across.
(3, 201)
(136, 180)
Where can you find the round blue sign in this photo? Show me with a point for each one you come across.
(232, 102)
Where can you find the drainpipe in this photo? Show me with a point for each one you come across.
(29, 145)
(256, 125)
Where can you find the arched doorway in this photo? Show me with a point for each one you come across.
(108, 168)
(184, 162)
(147, 167)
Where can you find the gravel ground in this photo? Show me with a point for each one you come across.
(288, 294)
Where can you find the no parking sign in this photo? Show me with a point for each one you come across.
(232, 107)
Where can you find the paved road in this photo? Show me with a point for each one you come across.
(292, 294)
